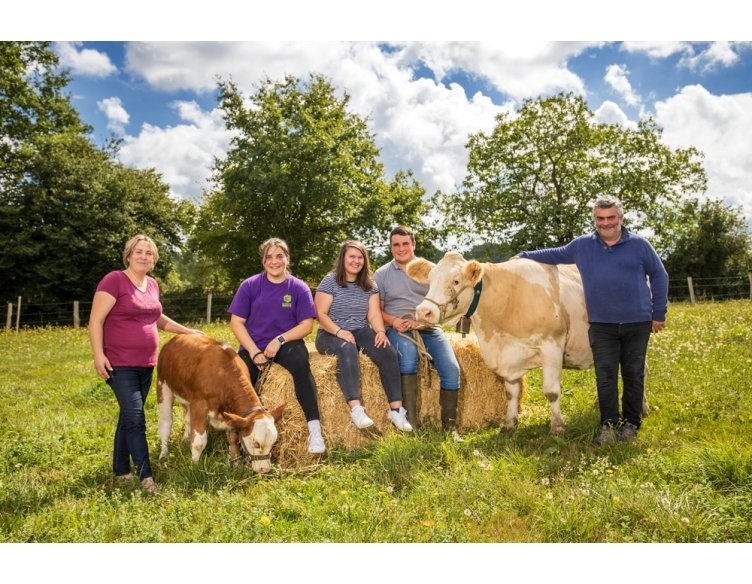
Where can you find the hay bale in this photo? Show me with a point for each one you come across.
(336, 424)
(482, 401)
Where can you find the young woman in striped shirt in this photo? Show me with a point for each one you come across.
(348, 308)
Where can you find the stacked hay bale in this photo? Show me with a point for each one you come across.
(482, 401)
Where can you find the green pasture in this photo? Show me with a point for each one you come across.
(687, 477)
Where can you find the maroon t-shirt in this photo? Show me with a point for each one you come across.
(131, 338)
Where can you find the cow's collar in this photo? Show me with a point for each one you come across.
(455, 300)
(476, 298)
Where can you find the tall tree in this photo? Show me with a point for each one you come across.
(300, 167)
(31, 105)
(66, 207)
(715, 243)
(530, 182)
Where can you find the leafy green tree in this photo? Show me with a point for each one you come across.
(531, 181)
(66, 207)
(715, 243)
(300, 167)
(31, 105)
(78, 207)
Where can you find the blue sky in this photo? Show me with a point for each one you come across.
(423, 98)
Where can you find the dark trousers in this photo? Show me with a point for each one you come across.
(293, 356)
(348, 363)
(131, 386)
(620, 346)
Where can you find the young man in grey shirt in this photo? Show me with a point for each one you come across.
(399, 297)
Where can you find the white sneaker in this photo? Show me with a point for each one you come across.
(315, 439)
(316, 443)
(399, 419)
(360, 418)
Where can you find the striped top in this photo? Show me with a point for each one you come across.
(349, 309)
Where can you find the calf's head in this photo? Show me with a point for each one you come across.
(258, 433)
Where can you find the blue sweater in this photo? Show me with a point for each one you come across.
(615, 278)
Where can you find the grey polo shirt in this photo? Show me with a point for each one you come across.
(399, 293)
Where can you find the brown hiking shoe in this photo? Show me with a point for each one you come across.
(627, 432)
(607, 435)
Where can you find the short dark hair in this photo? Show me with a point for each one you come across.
(402, 230)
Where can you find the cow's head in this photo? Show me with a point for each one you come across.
(257, 434)
(450, 290)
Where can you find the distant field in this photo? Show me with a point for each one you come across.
(687, 478)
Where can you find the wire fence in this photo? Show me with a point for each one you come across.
(192, 309)
(213, 308)
(719, 288)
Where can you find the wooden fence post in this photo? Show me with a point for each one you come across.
(208, 308)
(18, 314)
(691, 290)
(750, 285)
(76, 316)
(9, 318)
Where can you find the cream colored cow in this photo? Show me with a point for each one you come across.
(527, 316)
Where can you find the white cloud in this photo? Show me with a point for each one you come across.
(610, 113)
(183, 154)
(657, 49)
(718, 54)
(616, 77)
(419, 123)
(694, 56)
(518, 69)
(117, 117)
(719, 126)
(86, 62)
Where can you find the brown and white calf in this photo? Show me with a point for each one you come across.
(212, 384)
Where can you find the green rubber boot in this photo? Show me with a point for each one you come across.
(410, 398)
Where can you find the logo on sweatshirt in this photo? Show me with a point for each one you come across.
(286, 301)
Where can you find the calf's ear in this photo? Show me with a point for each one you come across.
(419, 269)
(277, 412)
(473, 272)
(238, 422)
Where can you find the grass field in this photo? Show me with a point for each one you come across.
(687, 477)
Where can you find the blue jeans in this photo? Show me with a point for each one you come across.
(131, 386)
(438, 346)
(618, 346)
(348, 363)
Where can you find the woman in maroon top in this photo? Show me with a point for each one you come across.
(125, 315)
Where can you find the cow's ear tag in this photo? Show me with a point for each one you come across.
(463, 326)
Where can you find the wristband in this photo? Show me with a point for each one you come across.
(337, 333)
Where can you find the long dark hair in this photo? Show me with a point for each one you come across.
(365, 276)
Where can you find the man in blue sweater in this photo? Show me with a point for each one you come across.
(626, 295)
